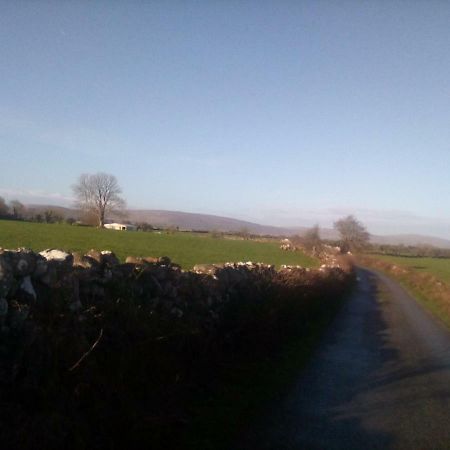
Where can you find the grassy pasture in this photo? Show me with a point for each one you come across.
(183, 248)
(440, 268)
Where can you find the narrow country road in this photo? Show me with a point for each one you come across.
(380, 380)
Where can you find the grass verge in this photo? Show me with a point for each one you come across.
(439, 267)
(432, 291)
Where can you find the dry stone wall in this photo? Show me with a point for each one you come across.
(92, 350)
(27, 277)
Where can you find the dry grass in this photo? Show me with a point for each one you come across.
(439, 267)
(432, 291)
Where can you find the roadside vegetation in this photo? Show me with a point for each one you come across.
(438, 267)
(187, 249)
(427, 279)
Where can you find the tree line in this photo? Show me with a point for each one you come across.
(353, 237)
(16, 210)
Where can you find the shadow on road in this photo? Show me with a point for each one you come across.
(366, 386)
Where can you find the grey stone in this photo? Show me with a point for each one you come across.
(27, 286)
(53, 254)
(41, 267)
(109, 258)
(3, 307)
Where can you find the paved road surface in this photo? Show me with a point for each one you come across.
(380, 380)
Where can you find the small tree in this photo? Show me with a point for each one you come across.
(52, 216)
(49, 216)
(144, 226)
(98, 194)
(311, 240)
(244, 233)
(354, 235)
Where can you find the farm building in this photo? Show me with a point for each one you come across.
(120, 226)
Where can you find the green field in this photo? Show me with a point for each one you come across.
(437, 267)
(183, 248)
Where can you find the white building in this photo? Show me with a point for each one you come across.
(120, 226)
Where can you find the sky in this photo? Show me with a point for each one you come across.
(279, 112)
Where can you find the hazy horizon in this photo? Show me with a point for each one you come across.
(377, 222)
(280, 113)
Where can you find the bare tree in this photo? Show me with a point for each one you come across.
(354, 235)
(98, 194)
(51, 216)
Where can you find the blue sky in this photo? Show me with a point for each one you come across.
(284, 113)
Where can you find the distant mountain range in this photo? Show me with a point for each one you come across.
(193, 221)
(208, 222)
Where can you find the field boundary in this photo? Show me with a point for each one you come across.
(140, 348)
